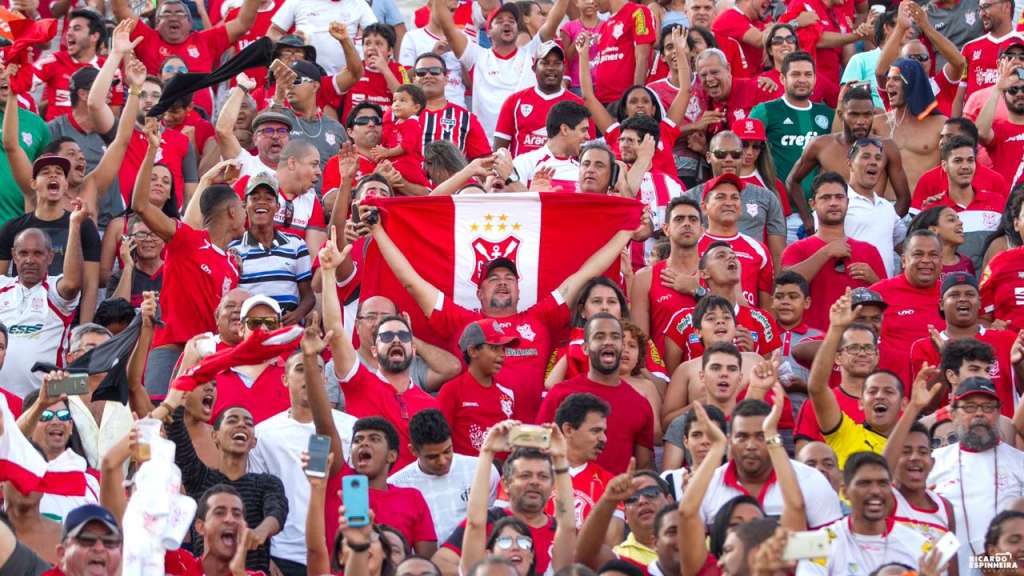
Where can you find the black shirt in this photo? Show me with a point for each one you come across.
(57, 230)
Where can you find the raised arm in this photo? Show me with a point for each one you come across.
(443, 18)
(591, 549)
(479, 168)
(159, 223)
(28, 419)
(826, 406)
(353, 70)
(112, 493)
(1007, 75)
(693, 552)
(602, 119)
(442, 365)
(550, 27)
(21, 165)
(423, 292)
(677, 109)
(224, 172)
(794, 510)
(317, 558)
(565, 503)
(323, 420)
(121, 45)
(70, 284)
(138, 398)
(955, 61)
(342, 351)
(240, 24)
(474, 538)
(920, 397)
(594, 266)
(225, 128)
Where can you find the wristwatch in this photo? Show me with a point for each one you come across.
(512, 177)
(774, 440)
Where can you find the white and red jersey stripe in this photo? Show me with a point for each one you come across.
(932, 524)
(567, 170)
(38, 321)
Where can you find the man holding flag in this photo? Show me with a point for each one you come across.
(498, 291)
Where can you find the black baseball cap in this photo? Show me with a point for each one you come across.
(975, 385)
(501, 262)
(861, 296)
(51, 160)
(307, 70)
(958, 279)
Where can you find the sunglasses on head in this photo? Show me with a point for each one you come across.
(722, 154)
(64, 415)
(366, 121)
(268, 323)
(88, 540)
(388, 336)
(429, 70)
(650, 493)
(506, 542)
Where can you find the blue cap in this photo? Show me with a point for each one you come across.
(83, 515)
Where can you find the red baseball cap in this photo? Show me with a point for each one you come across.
(485, 331)
(726, 178)
(749, 129)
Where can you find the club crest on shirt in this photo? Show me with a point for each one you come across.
(26, 137)
(969, 18)
(525, 109)
(752, 210)
(526, 332)
(739, 114)
(821, 121)
(193, 51)
(617, 30)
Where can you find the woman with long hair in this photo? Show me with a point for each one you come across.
(946, 224)
(780, 40)
(756, 165)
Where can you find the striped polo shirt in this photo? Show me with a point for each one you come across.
(274, 270)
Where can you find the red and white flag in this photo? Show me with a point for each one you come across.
(25, 467)
(449, 239)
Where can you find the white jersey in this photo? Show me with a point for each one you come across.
(567, 170)
(420, 41)
(280, 441)
(932, 524)
(495, 78)
(859, 555)
(448, 495)
(313, 18)
(986, 489)
(38, 321)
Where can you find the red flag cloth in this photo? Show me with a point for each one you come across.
(259, 347)
(22, 465)
(27, 33)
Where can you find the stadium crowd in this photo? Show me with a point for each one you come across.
(520, 288)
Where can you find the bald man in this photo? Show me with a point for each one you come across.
(822, 457)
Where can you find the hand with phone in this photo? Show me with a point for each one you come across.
(60, 385)
(127, 252)
(497, 440)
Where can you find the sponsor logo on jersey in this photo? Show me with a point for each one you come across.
(24, 329)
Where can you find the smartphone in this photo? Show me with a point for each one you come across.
(355, 212)
(319, 448)
(355, 496)
(806, 545)
(947, 546)
(73, 385)
(530, 436)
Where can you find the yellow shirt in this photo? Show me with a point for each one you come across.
(852, 437)
(635, 551)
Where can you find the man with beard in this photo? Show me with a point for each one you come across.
(913, 120)
(1002, 138)
(867, 539)
(869, 216)
(761, 217)
(979, 475)
(791, 122)
(271, 130)
(388, 392)
(829, 260)
(912, 295)
(743, 28)
(830, 152)
(499, 296)
(669, 285)
(518, 128)
(631, 432)
(84, 39)
(566, 128)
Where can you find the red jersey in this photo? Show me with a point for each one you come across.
(472, 408)
(744, 95)
(577, 361)
(1000, 373)
(523, 118)
(259, 29)
(1007, 150)
(807, 427)
(55, 70)
(786, 421)
(757, 272)
(372, 87)
(458, 126)
(663, 160)
(614, 67)
(945, 91)
(732, 24)
(663, 303)
(203, 131)
(197, 274)
(828, 61)
(1002, 287)
(201, 51)
(982, 55)
(185, 564)
(405, 510)
(409, 135)
(935, 182)
(829, 284)
(910, 312)
(588, 484)
(331, 179)
(263, 397)
(537, 327)
(174, 147)
(763, 329)
(630, 423)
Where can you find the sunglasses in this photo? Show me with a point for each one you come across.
(281, 131)
(88, 540)
(753, 144)
(722, 154)
(302, 80)
(404, 336)
(1014, 90)
(650, 493)
(939, 441)
(169, 69)
(919, 57)
(268, 323)
(780, 40)
(430, 70)
(506, 542)
(64, 415)
(1013, 56)
(366, 121)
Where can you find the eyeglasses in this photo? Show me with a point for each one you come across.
(302, 80)
(171, 69)
(366, 121)
(404, 336)
(506, 542)
(429, 70)
(973, 408)
(919, 57)
(756, 145)
(1014, 90)
(650, 493)
(64, 415)
(282, 131)
(268, 323)
(860, 348)
(88, 540)
(779, 40)
(734, 154)
(939, 441)
(143, 235)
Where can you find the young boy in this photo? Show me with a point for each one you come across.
(403, 136)
(381, 75)
(474, 401)
(792, 297)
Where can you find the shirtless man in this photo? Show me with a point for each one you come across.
(830, 153)
(913, 121)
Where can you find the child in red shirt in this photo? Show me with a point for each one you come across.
(402, 139)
